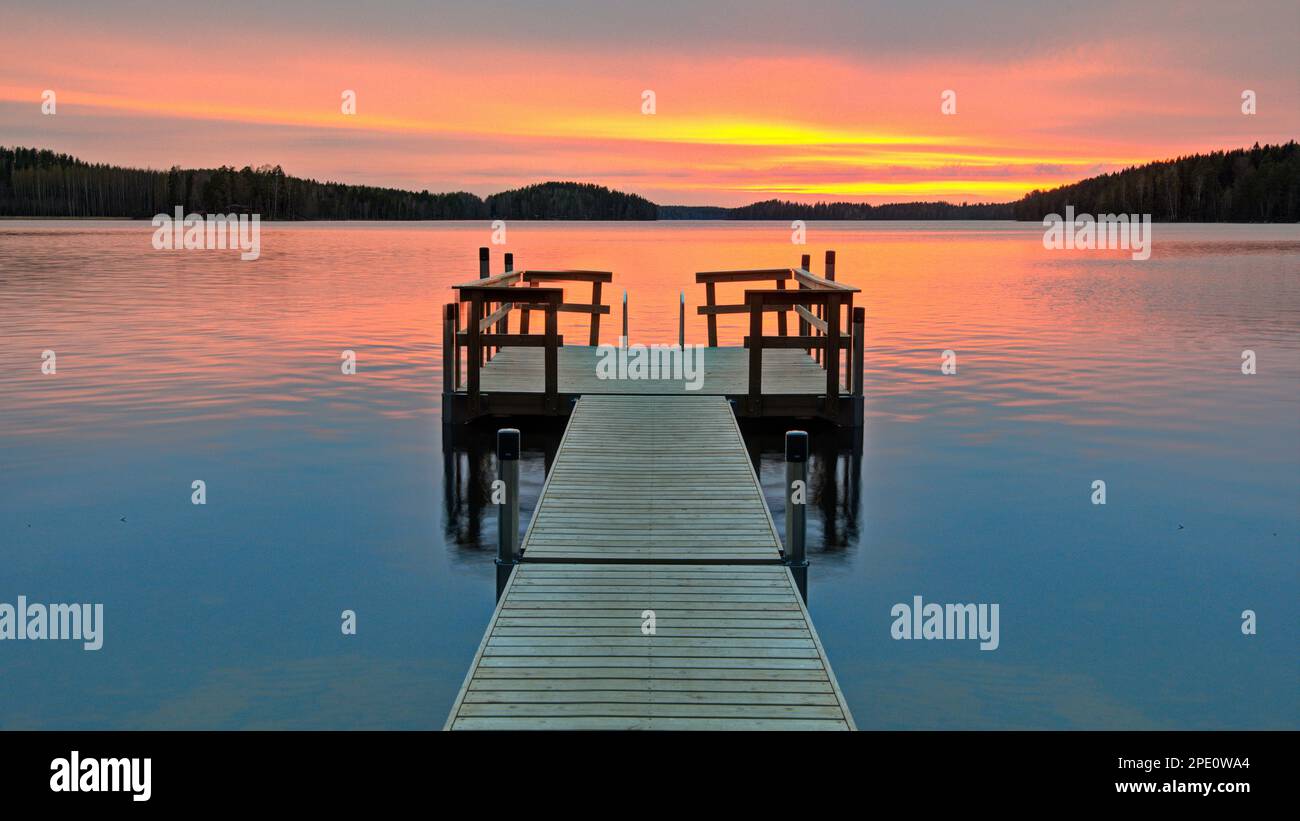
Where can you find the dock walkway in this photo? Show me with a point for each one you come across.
(651, 513)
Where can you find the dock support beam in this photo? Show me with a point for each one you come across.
(796, 507)
(505, 492)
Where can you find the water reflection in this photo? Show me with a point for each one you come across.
(835, 519)
(469, 467)
(835, 515)
(323, 488)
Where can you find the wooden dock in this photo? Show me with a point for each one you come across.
(651, 509)
(802, 355)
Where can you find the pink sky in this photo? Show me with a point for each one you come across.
(454, 102)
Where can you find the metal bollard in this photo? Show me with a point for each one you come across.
(508, 509)
(796, 513)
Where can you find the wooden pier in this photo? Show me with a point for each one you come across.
(651, 589)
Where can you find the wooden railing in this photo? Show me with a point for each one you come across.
(824, 309)
(486, 331)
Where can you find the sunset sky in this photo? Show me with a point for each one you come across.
(753, 100)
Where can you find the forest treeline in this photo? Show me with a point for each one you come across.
(1259, 184)
(41, 183)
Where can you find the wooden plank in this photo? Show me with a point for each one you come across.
(522, 340)
(569, 276)
(813, 281)
(810, 318)
(500, 280)
(613, 676)
(752, 275)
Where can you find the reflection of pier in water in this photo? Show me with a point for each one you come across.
(468, 468)
(834, 480)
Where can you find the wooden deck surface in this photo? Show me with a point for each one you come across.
(651, 478)
(733, 649)
(726, 373)
(651, 505)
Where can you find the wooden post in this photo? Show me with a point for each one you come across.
(780, 315)
(681, 322)
(595, 315)
(526, 307)
(755, 353)
(796, 507)
(473, 350)
(804, 262)
(450, 355)
(859, 350)
(711, 299)
(508, 509)
(483, 273)
(830, 274)
(832, 353)
(503, 324)
(455, 314)
(847, 305)
(552, 361)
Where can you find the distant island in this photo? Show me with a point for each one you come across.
(1259, 184)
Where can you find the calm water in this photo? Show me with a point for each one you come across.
(328, 492)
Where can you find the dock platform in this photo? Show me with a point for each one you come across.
(801, 356)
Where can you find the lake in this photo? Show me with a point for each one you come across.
(328, 492)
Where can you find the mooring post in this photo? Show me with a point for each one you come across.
(796, 507)
(506, 490)
(681, 323)
(449, 354)
(859, 350)
(625, 340)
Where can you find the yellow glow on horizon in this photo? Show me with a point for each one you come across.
(925, 188)
(943, 159)
(735, 131)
